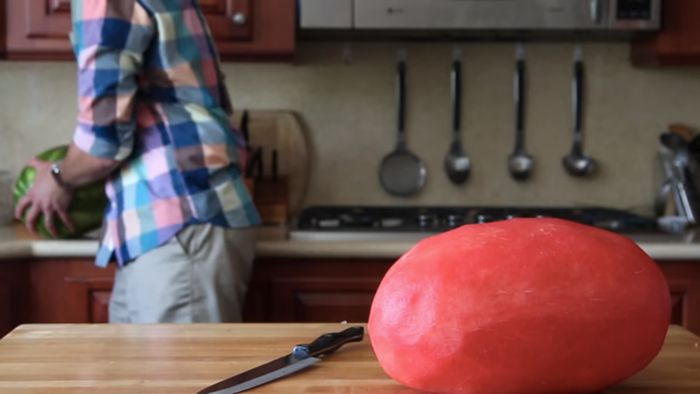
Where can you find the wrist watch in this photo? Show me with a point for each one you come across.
(58, 177)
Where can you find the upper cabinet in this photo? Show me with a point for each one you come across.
(38, 29)
(242, 29)
(678, 43)
(2, 29)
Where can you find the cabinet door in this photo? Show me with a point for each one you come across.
(38, 29)
(3, 30)
(313, 290)
(48, 19)
(322, 299)
(242, 29)
(684, 282)
(87, 299)
(14, 294)
(229, 20)
(69, 290)
(252, 30)
(678, 43)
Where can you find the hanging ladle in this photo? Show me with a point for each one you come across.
(520, 163)
(402, 173)
(576, 162)
(457, 163)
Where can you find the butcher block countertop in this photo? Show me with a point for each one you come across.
(182, 359)
(16, 242)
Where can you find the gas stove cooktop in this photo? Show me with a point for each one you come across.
(409, 223)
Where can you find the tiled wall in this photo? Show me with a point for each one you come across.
(348, 106)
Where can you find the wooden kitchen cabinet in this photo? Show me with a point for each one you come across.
(281, 290)
(53, 290)
(331, 290)
(69, 290)
(14, 294)
(3, 39)
(38, 29)
(242, 29)
(684, 282)
(678, 43)
(313, 290)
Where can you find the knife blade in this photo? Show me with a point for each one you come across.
(301, 357)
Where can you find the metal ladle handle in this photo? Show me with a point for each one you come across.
(577, 100)
(401, 99)
(456, 92)
(519, 99)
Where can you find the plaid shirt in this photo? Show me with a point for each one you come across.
(151, 95)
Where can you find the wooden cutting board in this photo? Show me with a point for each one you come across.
(182, 359)
(283, 131)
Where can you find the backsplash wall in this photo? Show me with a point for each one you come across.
(348, 107)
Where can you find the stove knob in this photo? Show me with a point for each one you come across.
(613, 225)
(391, 222)
(454, 220)
(329, 223)
(485, 218)
(427, 220)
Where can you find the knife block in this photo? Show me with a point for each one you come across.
(283, 131)
(271, 198)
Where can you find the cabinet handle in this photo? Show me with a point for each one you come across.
(239, 18)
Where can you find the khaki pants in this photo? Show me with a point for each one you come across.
(201, 275)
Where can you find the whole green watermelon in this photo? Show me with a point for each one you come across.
(88, 205)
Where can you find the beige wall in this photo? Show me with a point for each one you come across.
(350, 113)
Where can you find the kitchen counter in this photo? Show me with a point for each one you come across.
(16, 242)
(188, 357)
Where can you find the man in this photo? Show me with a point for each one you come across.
(154, 120)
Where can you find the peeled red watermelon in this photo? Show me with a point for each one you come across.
(519, 306)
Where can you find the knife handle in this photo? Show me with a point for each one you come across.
(328, 343)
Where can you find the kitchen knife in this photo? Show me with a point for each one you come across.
(274, 165)
(260, 165)
(302, 356)
(244, 130)
(252, 165)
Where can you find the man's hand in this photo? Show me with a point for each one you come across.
(45, 196)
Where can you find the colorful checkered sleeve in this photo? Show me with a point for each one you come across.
(109, 39)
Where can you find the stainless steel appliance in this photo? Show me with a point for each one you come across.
(678, 202)
(413, 223)
(480, 15)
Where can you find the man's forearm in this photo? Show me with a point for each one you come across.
(80, 168)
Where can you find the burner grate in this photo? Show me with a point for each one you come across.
(438, 219)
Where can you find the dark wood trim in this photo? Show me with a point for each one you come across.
(3, 29)
(39, 55)
(643, 55)
(684, 282)
(678, 42)
(14, 294)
